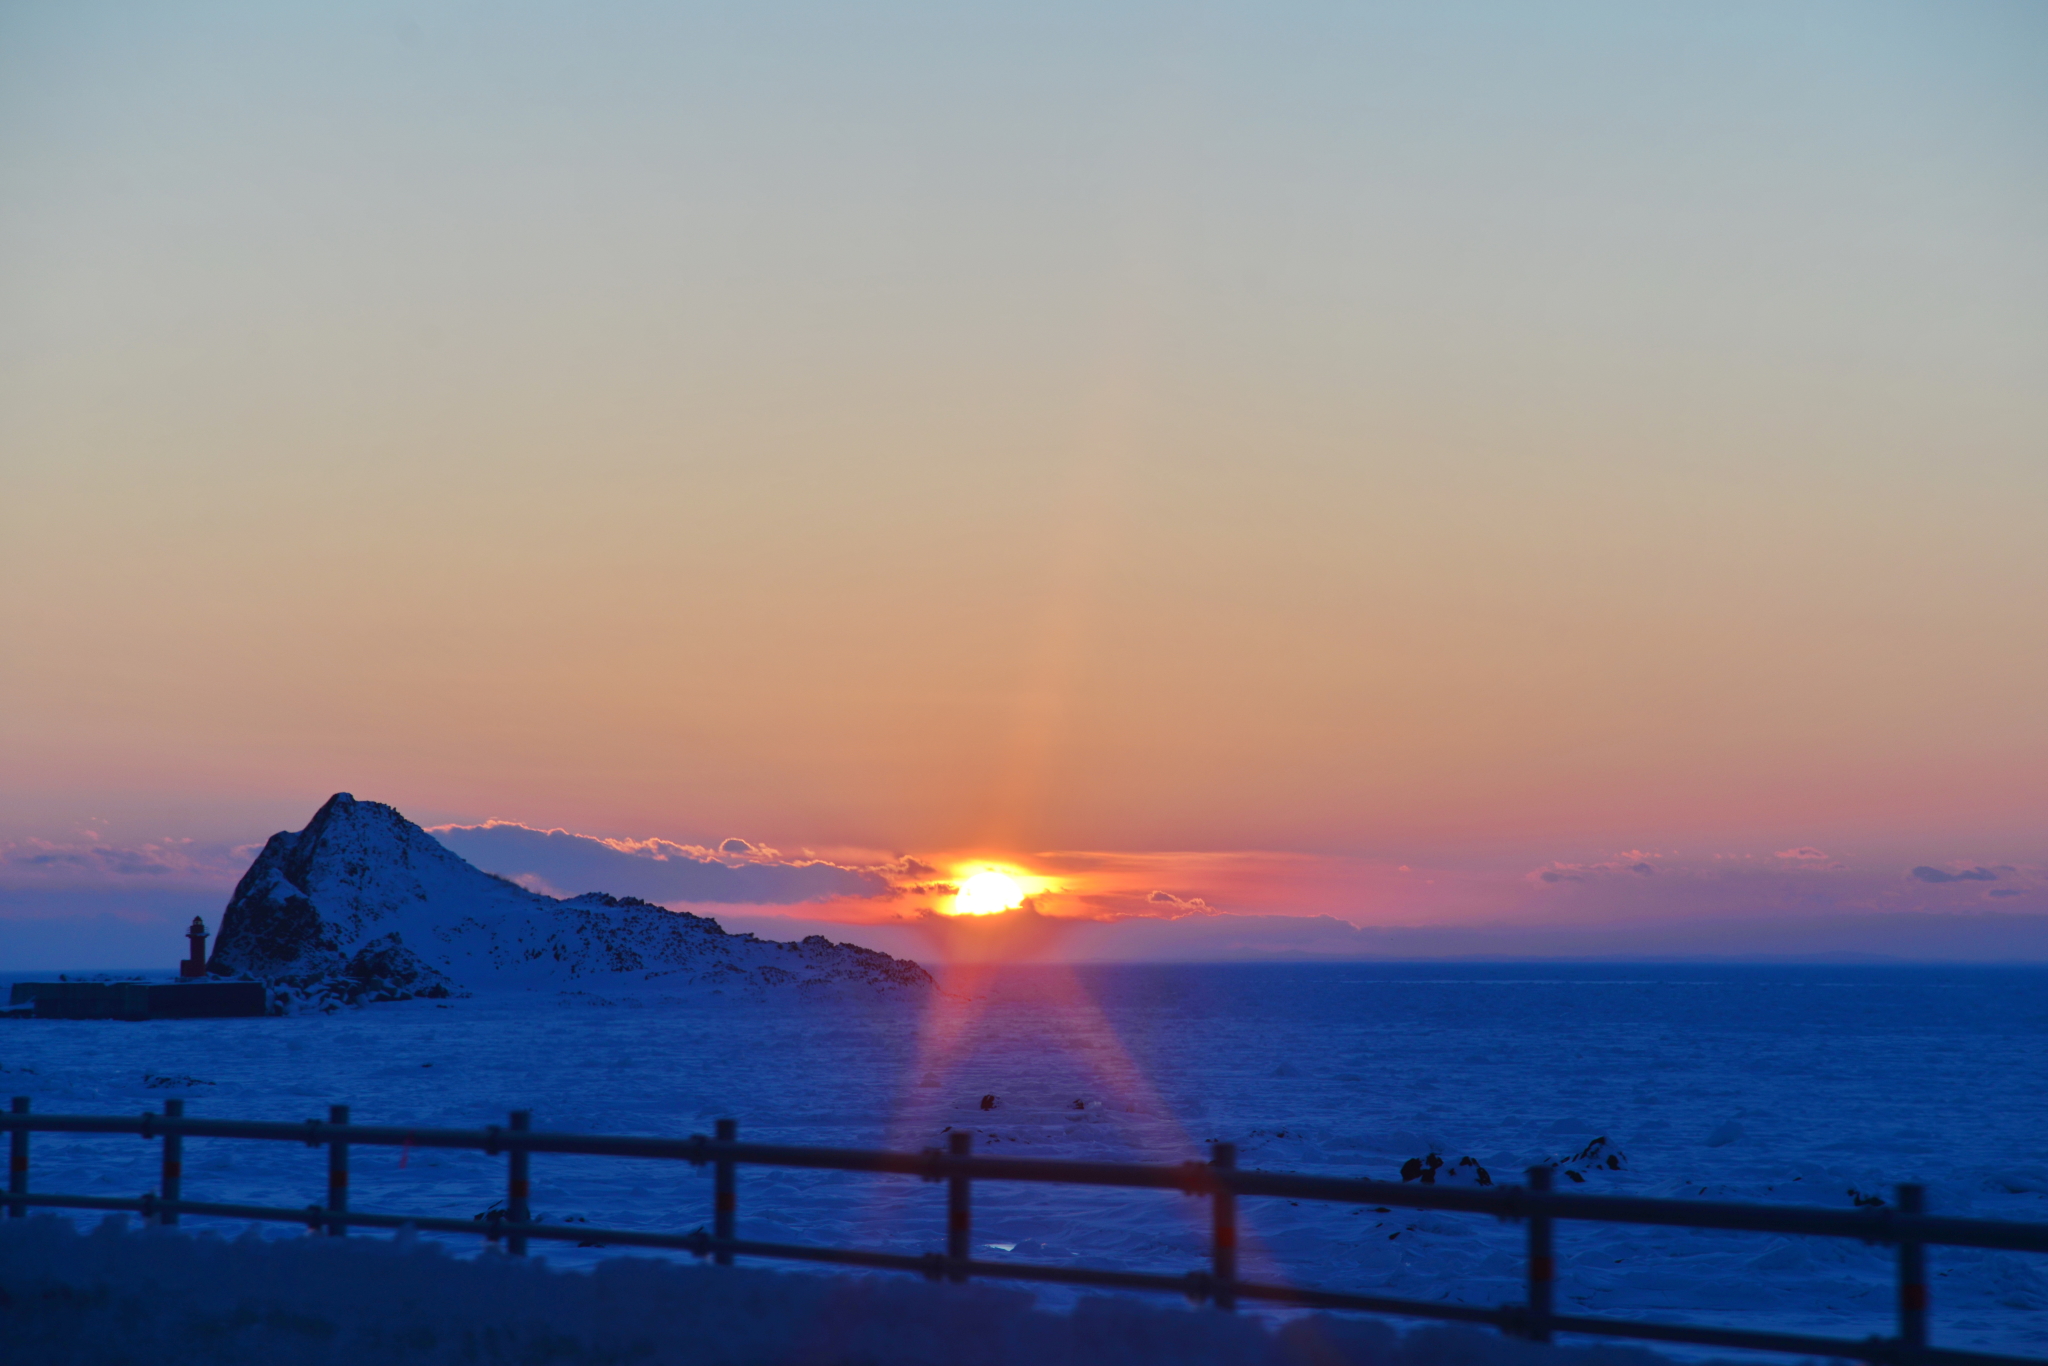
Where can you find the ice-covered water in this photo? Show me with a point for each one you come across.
(1798, 1084)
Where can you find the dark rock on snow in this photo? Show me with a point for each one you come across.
(1597, 1156)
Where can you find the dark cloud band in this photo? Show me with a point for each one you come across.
(1926, 874)
(574, 864)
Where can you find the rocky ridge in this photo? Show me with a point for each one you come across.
(364, 905)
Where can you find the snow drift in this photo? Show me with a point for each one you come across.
(362, 904)
(166, 1299)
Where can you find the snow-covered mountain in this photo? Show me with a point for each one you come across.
(362, 902)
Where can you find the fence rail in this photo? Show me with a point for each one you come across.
(1904, 1226)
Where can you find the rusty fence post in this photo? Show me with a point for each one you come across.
(1223, 1244)
(1542, 1261)
(173, 1183)
(959, 1213)
(517, 1185)
(337, 1174)
(725, 1199)
(17, 1160)
(1912, 1279)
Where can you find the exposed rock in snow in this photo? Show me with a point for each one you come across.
(1597, 1156)
(1434, 1169)
(363, 904)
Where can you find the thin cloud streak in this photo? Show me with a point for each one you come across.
(737, 872)
(94, 862)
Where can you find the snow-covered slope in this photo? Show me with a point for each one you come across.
(364, 902)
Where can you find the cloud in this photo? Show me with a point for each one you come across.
(735, 873)
(1926, 874)
(133, 924)
(1178, 906)
(1562, 892)
(1805, 853)
(39, 862)
(1634, 861)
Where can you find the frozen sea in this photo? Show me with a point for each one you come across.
(1801, 1084)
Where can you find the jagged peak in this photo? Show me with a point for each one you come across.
(343, 822)
(343, 812)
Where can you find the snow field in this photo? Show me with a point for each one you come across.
(160, 1297)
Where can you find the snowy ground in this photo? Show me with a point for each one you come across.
(163, 1298)
(1788, 1084)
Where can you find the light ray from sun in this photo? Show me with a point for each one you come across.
(953, 1029)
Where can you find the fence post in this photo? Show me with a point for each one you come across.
(725, 1199)
(959, 1215)
(517, 1160)
(337, 1174)
(174, 1163)
(1542, 1262)
(1912, 1279)
(17, 1160)
(1223, 1245)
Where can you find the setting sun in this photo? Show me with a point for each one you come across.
(988, 892)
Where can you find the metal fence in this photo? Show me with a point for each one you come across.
(1905, 1225)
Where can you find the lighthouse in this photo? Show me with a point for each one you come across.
(195, 966)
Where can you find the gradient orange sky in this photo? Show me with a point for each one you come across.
(1478, 436)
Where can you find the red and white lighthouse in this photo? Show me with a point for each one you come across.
(195, 966)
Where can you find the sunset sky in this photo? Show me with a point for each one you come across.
(1422, 466)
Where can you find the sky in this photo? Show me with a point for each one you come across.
(1373, 466)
